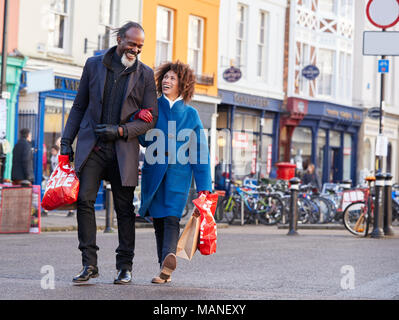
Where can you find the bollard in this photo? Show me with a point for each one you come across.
(388, 230)
(293, 215)
(109, 209)
(378, 206)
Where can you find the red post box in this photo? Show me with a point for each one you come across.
(285, 170)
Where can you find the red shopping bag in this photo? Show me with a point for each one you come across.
(206, 205)
(63, 186)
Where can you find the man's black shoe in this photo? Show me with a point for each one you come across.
(86, 273)
(123, 277)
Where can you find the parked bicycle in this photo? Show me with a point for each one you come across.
(358, 216)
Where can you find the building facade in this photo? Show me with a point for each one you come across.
(367, 94)
(320, 125)
(187, 31)
(251, 44)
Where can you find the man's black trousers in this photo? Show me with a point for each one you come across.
(102, 164)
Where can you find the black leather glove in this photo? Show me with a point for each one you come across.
(66, 149)
(107, 132)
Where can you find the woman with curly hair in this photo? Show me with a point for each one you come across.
(176, 149)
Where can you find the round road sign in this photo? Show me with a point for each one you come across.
(383, 13)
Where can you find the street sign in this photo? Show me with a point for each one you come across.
(378, 43)
(383, 66)
(381, 149)
(383, 13)
(310, 72)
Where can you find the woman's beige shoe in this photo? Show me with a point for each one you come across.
(169, 264)
(162, 278)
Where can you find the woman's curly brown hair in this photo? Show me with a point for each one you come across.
(185, 75)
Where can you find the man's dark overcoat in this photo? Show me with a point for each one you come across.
(86, 113)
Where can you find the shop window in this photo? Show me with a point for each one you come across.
(222, 120)
(267, 126)
(246, 122)
(321, 151)
(301, 147)
(335, 139)
(55, 118)
(265, 165)
(244, 154)
(347, 156)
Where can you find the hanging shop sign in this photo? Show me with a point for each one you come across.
(310, 72)
(232, 74)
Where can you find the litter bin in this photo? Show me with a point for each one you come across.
(285, 170)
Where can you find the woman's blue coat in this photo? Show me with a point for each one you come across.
(165, 184)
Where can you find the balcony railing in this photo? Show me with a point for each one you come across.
(205, 79)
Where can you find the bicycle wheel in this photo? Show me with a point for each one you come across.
(219, 213)
(325, 209)
(229, 207)
(355, 218)
(305, 210)
(270, 210)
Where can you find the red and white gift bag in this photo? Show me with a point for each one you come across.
(63, 186)
(206, 205)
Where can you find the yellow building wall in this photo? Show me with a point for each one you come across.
(206, 9)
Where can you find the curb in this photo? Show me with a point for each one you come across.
(115, 229)
(315, 226)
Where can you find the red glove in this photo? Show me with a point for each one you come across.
(145, 115)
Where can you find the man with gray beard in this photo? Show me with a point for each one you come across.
(116, 102)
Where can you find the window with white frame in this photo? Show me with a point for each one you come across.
(348, 77)
(305, 58)
(164, 35)
(327, 5)
(195, 43)
(241, 36)
(326, 63)
(58, 24)
(262, 42)
(108, 21)
(346, 8)
(345, 76)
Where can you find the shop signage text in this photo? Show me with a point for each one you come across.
(343, 114)
(241, 99)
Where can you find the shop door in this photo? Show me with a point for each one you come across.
(335, 161)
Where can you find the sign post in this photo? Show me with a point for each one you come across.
(382, 14)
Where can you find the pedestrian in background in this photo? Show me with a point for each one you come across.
(165, 186)
(107, 117)
(54, 152)
(310, 177)
(22, 161)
